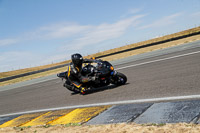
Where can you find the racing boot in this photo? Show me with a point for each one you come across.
(69, 87)
(83, 90)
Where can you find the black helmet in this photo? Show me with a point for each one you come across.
(77, 60)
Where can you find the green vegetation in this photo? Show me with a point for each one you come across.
(47, 126)
(21, 128)
(72, 124)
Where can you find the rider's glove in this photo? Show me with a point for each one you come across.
(93, 78)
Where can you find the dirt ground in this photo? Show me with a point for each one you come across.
(153, 48)
(110, 128)
(117, 128)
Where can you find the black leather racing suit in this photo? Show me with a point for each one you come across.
(74, 74)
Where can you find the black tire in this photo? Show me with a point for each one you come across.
(121, 79)
(71, 88)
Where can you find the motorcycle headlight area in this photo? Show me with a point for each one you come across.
(111, 68)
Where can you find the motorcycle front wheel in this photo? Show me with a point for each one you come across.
(120, 79)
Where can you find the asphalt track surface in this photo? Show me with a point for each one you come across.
(168, 75)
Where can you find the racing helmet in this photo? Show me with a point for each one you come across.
(77, 60)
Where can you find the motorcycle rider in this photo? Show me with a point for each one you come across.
(74, 73)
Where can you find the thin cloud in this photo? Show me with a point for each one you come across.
(196, 14)
(168, 20)
(19, 59)
(5, 42)
(56, 58)
(89, 33)
(50, 32)
(104, 32)
(57, 31)
(131, 12)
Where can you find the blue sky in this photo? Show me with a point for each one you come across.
(39, 32)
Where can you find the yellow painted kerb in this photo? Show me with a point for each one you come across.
(32, 122)
(47, 117)
(21, 120)
(79, 115)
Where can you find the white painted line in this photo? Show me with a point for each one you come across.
(152, 100)
(122, 102)
(158, 60)
(9, 87)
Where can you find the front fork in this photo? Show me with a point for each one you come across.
(113, 73)
(113, 77)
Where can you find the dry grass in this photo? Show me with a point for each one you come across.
(109, 58)
(186, 32)
(152, 48)
(34, 76)
(110, 128)
(21, 71)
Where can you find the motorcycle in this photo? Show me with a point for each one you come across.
(103, 72)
